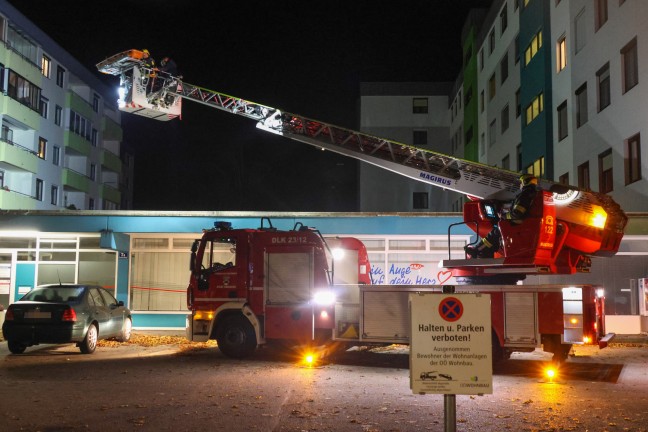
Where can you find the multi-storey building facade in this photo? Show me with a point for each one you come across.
(61, 134)
(411, 113)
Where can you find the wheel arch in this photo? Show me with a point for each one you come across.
(229, 309)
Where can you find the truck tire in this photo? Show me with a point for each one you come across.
(552, 344)
(236, 337)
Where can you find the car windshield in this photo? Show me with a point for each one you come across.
(54, 294)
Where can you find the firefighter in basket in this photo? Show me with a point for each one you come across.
(515, 213)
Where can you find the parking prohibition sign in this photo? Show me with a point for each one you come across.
(451, 309)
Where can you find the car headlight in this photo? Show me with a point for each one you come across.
(324, 298)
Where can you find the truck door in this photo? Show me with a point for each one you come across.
(288, 291)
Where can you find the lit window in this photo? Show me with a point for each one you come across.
(535, 108)
(46, 66)
(533, 48)
(42, 147)
(561, 53)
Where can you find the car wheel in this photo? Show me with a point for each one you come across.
(16, 347)
(127, 329)
(236, 337)
(89, 344)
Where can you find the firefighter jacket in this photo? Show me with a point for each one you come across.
(522, 203)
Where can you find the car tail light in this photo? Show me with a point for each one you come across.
(68, 315)
(9, 315)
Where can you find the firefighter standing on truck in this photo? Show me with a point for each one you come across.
(518, 210)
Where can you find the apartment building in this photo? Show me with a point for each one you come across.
(411, 113)
(61, 138)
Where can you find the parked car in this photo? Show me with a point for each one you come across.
(66, 313)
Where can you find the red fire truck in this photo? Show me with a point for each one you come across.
(269, 290)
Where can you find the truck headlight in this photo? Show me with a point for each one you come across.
(324, 298)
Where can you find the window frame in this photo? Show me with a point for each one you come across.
(581, 105)
(606, 175)
(561, 53)
(629, 51)
(603, 87)
(562, 120)
(632, 159)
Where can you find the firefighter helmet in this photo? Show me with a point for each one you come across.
(527, 178)
(145, 51)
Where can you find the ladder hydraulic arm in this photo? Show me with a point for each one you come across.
(476, 180)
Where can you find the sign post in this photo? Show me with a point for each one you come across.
(451, 351)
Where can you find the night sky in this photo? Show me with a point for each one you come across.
(306, 57)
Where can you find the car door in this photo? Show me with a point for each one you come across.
(99, 311)
(116, 311)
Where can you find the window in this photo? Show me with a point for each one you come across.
(39, 189)
(94, 137)
(482, 145)
(491, 42)
(56, 155)
(93, 172)
(91, 204)
(632, 159)
(561, 53)
(95, 103)
(46, 66)
(492, 133)
(468, 96)
(518, 155)
(515, 4)
(23, 91)
(605, 170)
(481, 101)
(564, 179)
(506, 162)
(603, 87)
(60, 76)
(562, 121)
(420, 105)
(481, 59)
(420, 200)
(54, 195)
(419, 137)
(505, 118)
(533, 48)
(581, 105)
(516, 47)
(58, 115)
(584, 176)
(629, 65)
(42, 147)
(518, 105)
(491, 87)
(469, 134)
(580, 31)
(80, 125)
(43, 107)
(503, 20)
(7, 134)
(537, 168)
(534, 109)
(504, 69)
(600, 13)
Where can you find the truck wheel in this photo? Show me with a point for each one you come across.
(236, 337)
(16, 347)
(552, 344)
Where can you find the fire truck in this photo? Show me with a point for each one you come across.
(287, 284)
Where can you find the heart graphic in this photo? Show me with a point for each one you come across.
(443, 276)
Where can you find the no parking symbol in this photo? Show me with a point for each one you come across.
(451, 309)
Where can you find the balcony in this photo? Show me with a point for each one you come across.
(111, 162)
(17, 157)
(76, 145)
(111, 130)
(111, 194)
(16, 201)
(19, 112)
(80, 105)
(75, 181)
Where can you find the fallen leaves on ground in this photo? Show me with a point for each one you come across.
(153, 341)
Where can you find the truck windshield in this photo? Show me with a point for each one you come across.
(219, 254)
